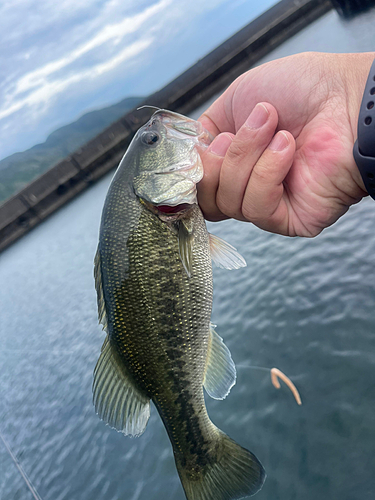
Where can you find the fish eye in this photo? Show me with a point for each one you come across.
(150, 138)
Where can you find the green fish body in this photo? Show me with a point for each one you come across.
(154, 283)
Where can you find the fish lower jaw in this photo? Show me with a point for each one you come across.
(168, 212)
(167, 209)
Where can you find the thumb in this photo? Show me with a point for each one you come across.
(219, 116)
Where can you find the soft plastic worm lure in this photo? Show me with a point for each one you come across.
(277, 374)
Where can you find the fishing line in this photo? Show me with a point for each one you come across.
(254, 367)
(22, 472)
(277, 374)
(38, 350)
(148, 106)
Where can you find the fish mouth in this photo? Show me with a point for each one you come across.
(168, 209)
(167, 212)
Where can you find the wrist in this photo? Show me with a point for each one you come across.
(355, 74)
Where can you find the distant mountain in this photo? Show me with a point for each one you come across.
(19, 169)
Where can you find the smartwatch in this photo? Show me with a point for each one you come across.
(364, 147)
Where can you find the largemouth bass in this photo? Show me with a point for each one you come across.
(153, 278)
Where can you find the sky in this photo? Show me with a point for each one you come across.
(61, 59)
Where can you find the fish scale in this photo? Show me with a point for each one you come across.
(153, 278)
(174, 315)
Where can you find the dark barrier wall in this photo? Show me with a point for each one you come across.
(348, 8)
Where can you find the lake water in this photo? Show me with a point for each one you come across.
(305, 306)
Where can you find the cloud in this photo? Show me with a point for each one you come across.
(42, 84)
(47, 90)
(63, 59)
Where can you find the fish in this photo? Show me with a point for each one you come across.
(153, 277)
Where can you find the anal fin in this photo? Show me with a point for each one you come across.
(117, 400)
(220, 375)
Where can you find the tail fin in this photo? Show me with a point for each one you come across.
(233, 472)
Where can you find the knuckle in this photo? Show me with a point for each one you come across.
(262, 209)
(237, 151)
(261, 174)
(265, 170)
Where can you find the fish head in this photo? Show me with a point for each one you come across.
(168, 165)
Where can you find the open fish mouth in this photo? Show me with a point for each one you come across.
(168, 212)
(172, 209)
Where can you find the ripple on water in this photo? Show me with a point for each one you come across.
(305, 306)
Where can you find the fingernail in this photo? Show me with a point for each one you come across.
(258, 117)
(279, 142)
(220, 145)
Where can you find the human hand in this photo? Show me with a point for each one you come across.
(303, 178)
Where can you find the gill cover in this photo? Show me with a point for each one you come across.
(169, 162)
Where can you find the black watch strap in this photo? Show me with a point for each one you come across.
(364, 147)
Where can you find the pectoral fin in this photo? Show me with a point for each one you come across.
(102, 314)
(220, 375)
(185, 245)
(224, 255)
(117, 400)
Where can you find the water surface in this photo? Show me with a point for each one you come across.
(305, 306)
